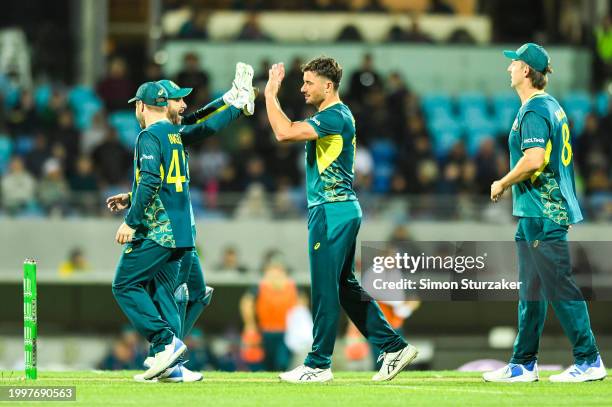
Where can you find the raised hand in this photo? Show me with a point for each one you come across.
(276, 74)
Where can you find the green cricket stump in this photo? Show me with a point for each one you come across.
(30, 328)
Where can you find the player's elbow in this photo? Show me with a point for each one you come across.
(282, 136)
(535, 163)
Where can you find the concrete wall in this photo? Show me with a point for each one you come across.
(49, 241)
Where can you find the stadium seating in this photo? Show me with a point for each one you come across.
(126, 125)
(85, 104)
(6, 149)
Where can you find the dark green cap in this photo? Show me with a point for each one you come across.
(152, 94)
(532, 54)
(174, 90)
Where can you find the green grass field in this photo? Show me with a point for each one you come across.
(348, 389)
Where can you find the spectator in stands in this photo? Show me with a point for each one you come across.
(397, 96)
(367, 6)
(251, 30)
(69, 138)
(269, 304)
(283, 163)
(349, 33)
(196, 27)
(294, 78)
(210, 161)
(21, 119)
(121, 357)
(53, 193)
(84, 187)
(256, 174)
(48, 115)
(364, 79)
(440, 7)
(461, 36)
(76, 263)
(486, 166)
(254, 204)
(230, 261)
(112, 160)
(116, 87)
(414, 34)
(35, 159)
(283, 205)
(192, 75)
(95, 134)
(153, 72)
(330, 5)
(18, 188)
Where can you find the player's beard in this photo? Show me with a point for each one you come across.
(174, 116)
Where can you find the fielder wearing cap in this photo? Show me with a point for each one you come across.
(544, 201)
(533, 55)
(152, 94)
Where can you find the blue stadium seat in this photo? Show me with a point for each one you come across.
(436, 104)
(505, 108)
(444, 135)
(602, 101)
(23, 144)
(6, 149)
(85, 104)
(11, 97)
(42, 94)
(383, 154)
(472, 100)
(126, 125)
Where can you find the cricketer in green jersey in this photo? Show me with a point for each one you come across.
(544, 200)
(334, 219)
(191, 294)
(157, 229)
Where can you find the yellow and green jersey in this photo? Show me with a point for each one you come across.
(330, 158)
(161, 205)
(551, 191)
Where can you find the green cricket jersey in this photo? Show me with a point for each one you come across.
(160, 209)
(551, 191)
(330, 158)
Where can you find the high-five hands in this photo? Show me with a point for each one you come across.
(276, 74)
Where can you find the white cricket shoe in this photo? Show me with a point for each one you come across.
(166, 358)
(180, 374)
(585, 372)
(395, 362)
(305, 374)
(141, 379)
(513, 372)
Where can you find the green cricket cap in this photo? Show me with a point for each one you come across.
(174, 90)
(152, 94)
(532, 54)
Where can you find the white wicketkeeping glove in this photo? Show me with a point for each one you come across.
(242, 95)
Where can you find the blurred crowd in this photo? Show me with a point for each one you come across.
(58, 158)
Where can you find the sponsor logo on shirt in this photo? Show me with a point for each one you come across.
(314, 119)
(534, 140)
(146, 157)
